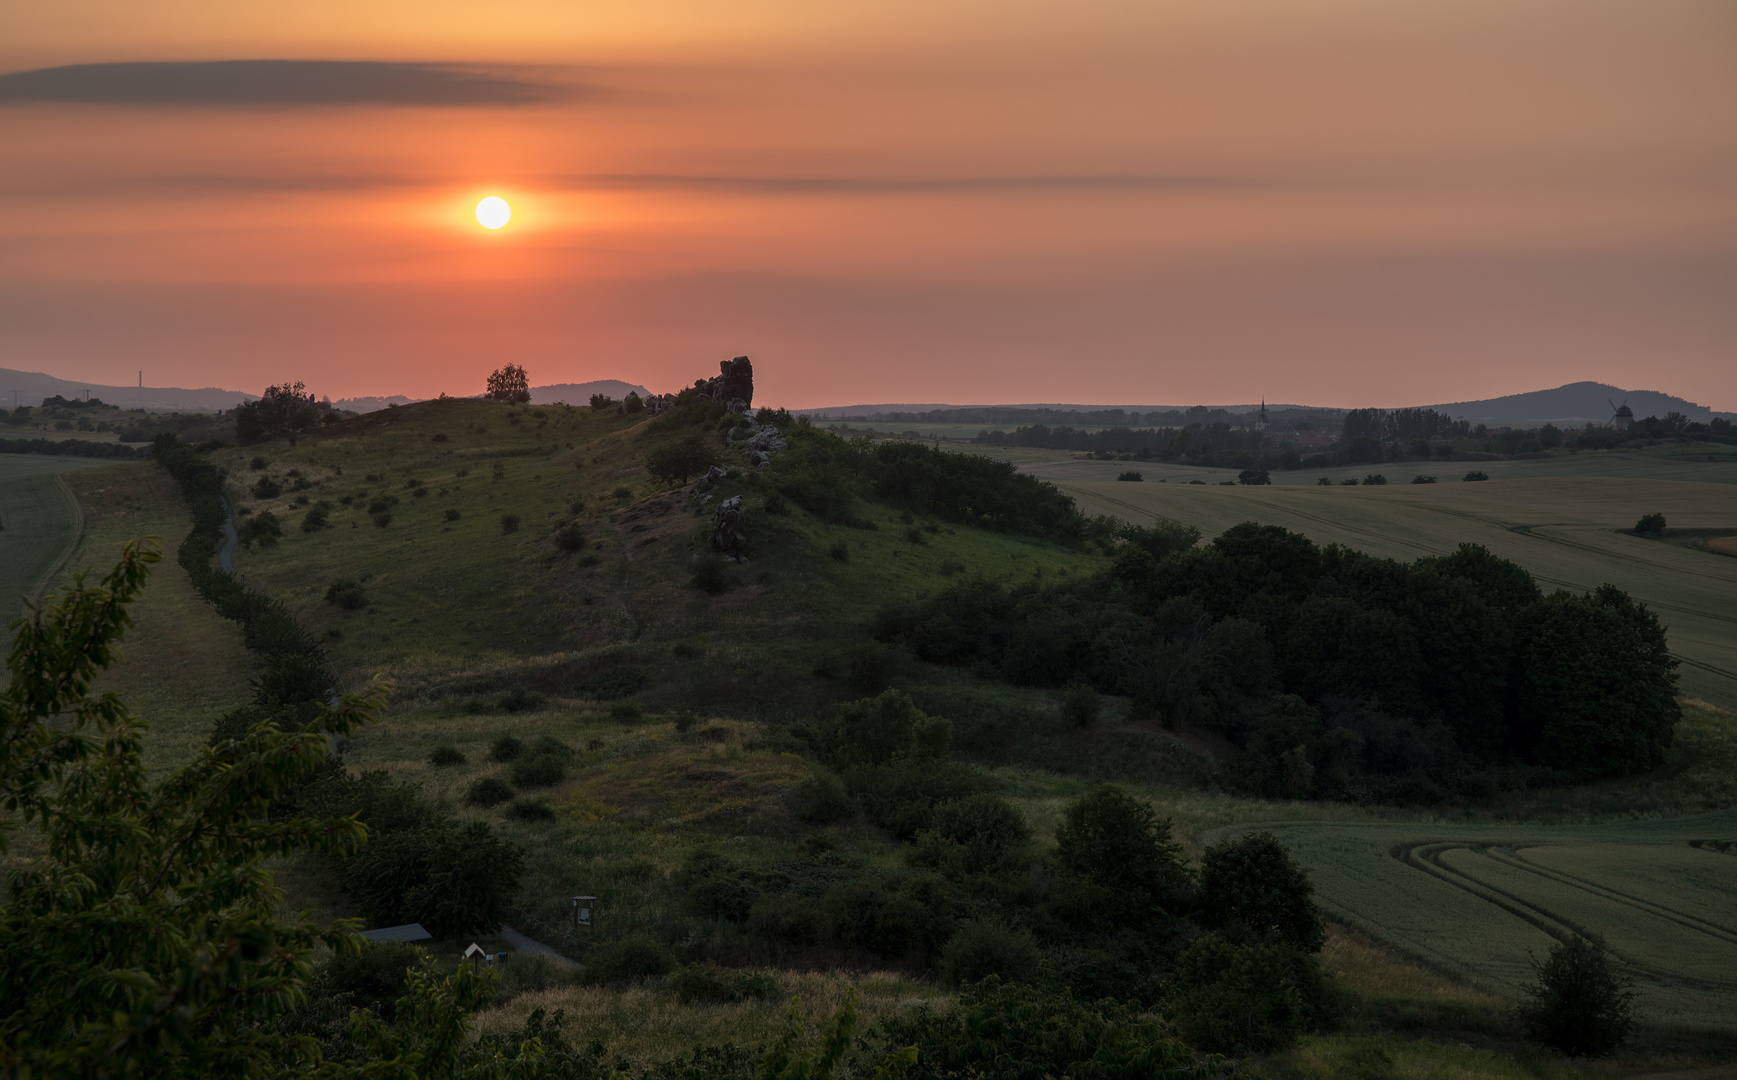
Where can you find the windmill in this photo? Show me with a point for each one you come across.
(1621, 415)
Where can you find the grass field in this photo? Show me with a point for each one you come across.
(1478, 900)
(39, 523)
(1564, 530)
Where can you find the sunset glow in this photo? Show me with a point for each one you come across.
(1362, 203)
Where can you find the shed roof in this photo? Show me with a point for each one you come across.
(407, 932)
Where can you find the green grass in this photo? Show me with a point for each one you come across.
(39, 524)
(182, 665)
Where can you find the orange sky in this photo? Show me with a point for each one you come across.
(1104, 201)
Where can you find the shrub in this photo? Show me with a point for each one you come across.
(622, 491)
(509, 523)
(1131, 476)
(985, 826)
(703, 984)
(820, 800)
(1477, 474)
(262, 528)
(613, 684)
(257, 464)
(446, 755)
(1375, 478)
(518, 700)
(346, 594)
(840, 551)
(267, 488)
(625, 711)
(1579, 1005)
(506, 748)
(570, 540)
(1081, 705)
(680, 461)
(453, 879)
(490, 791)
(1650, 525)
(441, 437)
(915, 536)
(530, 810)
(1421, 479)
(709, 575)
(316, 518)
(979, 949)
(1119, 844)
(1239, 999)
(1254, 477)
(382, 519)
(548, 744)
(775, 503)
(452, 515)
(949, 567)
(630, 960)
(1254, 881)
(543, 770)
(870, 667)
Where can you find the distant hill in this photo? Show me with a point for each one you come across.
(30, 387)
(370, 404)
(580, 393)
(1577, 402)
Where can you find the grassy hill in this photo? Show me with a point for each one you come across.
(581, 623)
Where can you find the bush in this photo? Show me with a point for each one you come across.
(346, 594)
(257, 464)
(631, 960)
(1421, 479)
(570, 540)
(680, 461)
(615, 683)
(1120, 845)
(262, 528)
(625, 712)
(703, 984)
(544, 770)
(820, 800)
(267, 488)
(1579, 1005)
(1254, 477)
(1375, 478)
(530, 810)
(381, 518)
(1476, 475)
(1650, 525)
(506, 748)
(868, 668)
(316, 518)
(518, 700)
(840, 551)
(509, 523)
(1254, 881)
(1080, 705)
(453, 879)
(1239, 999)
(452, 515)
(709, 575)
(489, 792)
(1133, 476)
(979, 949)
(985, 826)
(446, 755)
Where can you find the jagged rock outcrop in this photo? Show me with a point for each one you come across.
(728, 524)
(733, 385)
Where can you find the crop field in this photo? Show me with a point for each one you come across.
(1564, 530)
(1480, 900)
(39, 523)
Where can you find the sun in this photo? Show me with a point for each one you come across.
(493, 212)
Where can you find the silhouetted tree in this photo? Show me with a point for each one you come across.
(511, 384)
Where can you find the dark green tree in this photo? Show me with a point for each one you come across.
(1595, 684)
(510, 384)
(679, 461)
(1117, 843)
(1254, 881)
(1650, 525)
(1580, 1005)
(285, 409)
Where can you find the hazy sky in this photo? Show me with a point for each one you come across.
(1105, 200)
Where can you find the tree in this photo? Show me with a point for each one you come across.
(678, 462)
(1254, 476)
(1650, 525)
(1595, 685)
(1253, 881)
(141, 939)
(510, 384)
(285, 409)
(1579, 1005)
(1115, 842)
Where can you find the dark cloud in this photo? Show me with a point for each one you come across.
(273, 82)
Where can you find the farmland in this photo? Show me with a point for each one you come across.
(1479, 900)
(1563, 529)
(39, 522)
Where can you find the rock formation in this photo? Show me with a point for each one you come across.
(727, 525)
